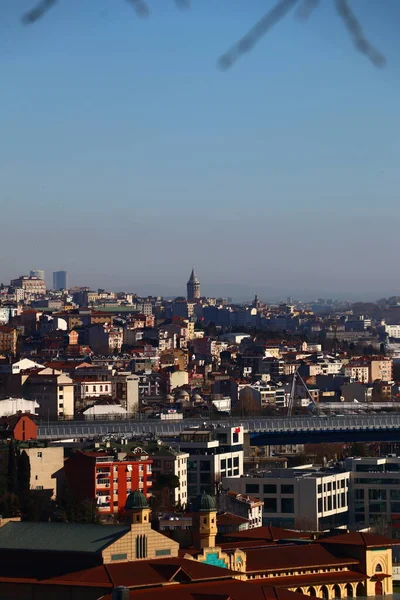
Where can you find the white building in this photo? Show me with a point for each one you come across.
(242, 505)
(393, 331)
(214, 454)
(170, 461)
(303, 498)
(10, 406)
(105, 411)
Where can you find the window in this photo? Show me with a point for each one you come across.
(61, 388)
(229, 463)
(205, 465)
(61, 405)
(141, 546)
(106, 388)
(377, 494)
(163, 552)
(287, 505)
(101, 388)
(36, 477)
(223, 464)
(39, 487)
(87, 388)
(252, 488)
(236, 461)
(270, 505)
(94, 388)
(39, 454)
(119, 556)
(269, 488)
(235, 438)
(287, 489)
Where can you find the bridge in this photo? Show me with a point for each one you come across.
(264, 430)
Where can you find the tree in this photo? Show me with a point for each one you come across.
(23, 474)
(12, 470)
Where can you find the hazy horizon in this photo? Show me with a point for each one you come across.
(129, 156)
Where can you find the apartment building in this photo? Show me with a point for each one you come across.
(53, 390)
(125, 389)
(304, 498)
(170, 461)
(214, 454)
(108, 476)
(30, 285)
(8, 340)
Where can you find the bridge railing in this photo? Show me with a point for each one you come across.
(74, 429)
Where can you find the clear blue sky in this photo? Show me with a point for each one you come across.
(126, 156)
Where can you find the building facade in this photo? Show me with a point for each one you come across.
(214, 454)
(108, 477)
(60, 280)
(306, 499)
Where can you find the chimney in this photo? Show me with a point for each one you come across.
(120, 593)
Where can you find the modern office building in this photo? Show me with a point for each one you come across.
(60, 280)
(214, 454)
(304, 498)
(375, 493)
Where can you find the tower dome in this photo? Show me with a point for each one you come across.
(136, 501)
(205, 503)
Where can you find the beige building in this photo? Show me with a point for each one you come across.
(8, 340)
(30, 285)
(53, 391)
(381, 369)
(46, 468)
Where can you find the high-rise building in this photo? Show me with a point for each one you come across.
(39, 273)
(60, 280)
(193, 287)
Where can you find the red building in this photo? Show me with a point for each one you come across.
(20, 427)
(108, 477)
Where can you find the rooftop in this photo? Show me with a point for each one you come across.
(59, 537)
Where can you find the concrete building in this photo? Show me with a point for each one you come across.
(60, 280)
(108, 477)
(242, 505)
(393, 331)
(125, 389)
(11, 406)
(214, 454)
(303, 498)
(46, 468)
(193, 287)
(170, 461)
(375, 493)
(53, 391)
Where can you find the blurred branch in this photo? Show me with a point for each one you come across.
(257, 32)
(251, 38)
(355, 30)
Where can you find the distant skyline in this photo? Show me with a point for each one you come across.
(129, 156)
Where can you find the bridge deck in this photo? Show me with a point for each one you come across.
(271, 425)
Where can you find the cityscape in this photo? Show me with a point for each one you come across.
(199, 300)
(262, 438)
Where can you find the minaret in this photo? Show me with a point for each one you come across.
(193, 287)
(204, 521)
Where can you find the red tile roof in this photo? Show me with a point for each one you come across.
(230, 519)
(216, 590)
(368, 540)
(285, 557)
(268, 534)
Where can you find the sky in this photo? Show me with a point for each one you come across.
(127, 156)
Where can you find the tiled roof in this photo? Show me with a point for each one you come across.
(269, 534)
(59, 537)
(368, 540)
(230, 519)
(134, 574)
(281, 558)
(216, 590)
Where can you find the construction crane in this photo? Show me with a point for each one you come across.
(292, 399)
